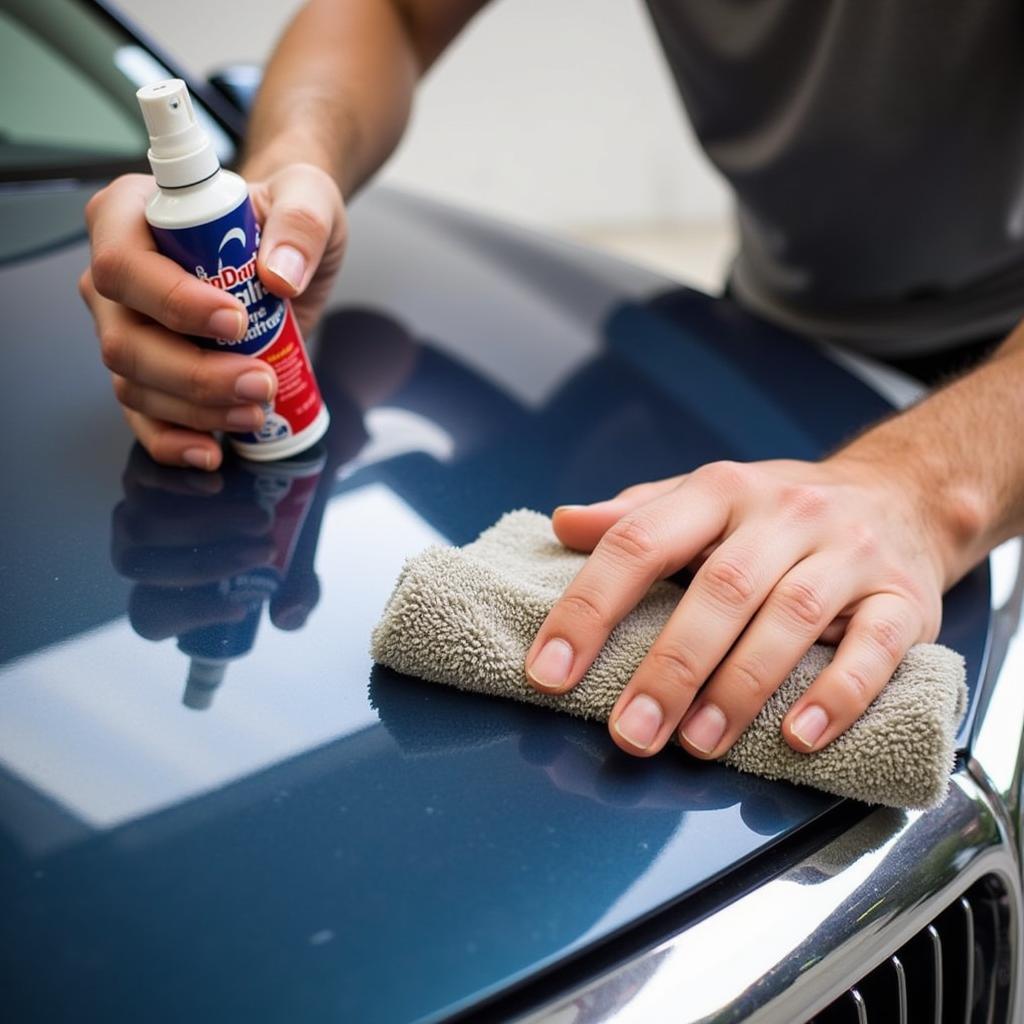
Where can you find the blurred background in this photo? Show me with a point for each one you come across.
(560, 116)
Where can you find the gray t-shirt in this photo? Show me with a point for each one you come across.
(876, 148)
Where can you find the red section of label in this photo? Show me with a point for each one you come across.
(289, 517)
(297, 400)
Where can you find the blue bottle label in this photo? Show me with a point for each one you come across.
(222, 252)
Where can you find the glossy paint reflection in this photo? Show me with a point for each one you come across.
(207, 552)
(325, 840)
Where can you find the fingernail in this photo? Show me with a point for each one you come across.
(705, 729)
(640, 722)
(198, 457)
(289, 264)
(254, 386)
(242, 418)
(550, 668)
(567, 508)
(808, 726)
(227, 323)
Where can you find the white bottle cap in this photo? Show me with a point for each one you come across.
(180, 152)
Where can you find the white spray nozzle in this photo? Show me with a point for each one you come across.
(180, 152)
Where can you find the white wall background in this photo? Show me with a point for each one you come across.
(556, 113)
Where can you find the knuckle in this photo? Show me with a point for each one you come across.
(85, 289)
(202, 388)
(677, 666)
(125, 393)
(856, 684)
(799, 602)
(632, 539)
(174, 305)
(751, 679)
(580, 605)
(805, 502)
(885, 635)
(905, 585)
(726, 476)
(108, 268)
(93, 205)
(865, 541)
(161, 448)
(931, 620)
(728, 581)
(115, 351)
(190, 417)
(633, 491)
(304, 221)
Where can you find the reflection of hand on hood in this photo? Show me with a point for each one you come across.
(432, 720)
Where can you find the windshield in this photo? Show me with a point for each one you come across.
(68, 77)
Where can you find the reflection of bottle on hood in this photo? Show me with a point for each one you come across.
(284, 490)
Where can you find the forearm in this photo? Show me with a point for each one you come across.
(338, 90)
(962, 451)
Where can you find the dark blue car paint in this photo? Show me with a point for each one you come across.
(329, 841)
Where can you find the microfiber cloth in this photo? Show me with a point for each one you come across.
(467, 616)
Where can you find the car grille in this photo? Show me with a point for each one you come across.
(955, 970)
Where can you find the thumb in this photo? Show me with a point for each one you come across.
(582, 526)
(303, 217)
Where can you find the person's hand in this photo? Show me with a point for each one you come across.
(786, 553)
(173, 392)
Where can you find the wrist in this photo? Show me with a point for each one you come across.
(285, 150)
(950, 512)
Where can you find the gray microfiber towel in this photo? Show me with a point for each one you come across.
(467, 616)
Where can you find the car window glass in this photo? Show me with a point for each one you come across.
(67, 92)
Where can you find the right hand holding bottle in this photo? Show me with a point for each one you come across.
(174, 393)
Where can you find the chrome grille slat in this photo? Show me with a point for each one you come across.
(858, 1004)
(901, 987)
(952, 971)
(987, 957)
(968, 925)
(935, 944)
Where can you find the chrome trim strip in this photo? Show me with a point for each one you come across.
(785, 950)
(997, 743)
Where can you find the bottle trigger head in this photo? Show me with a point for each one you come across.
(180, 152)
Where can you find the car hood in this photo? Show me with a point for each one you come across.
(295, 834)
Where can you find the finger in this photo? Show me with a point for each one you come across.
(171, 445)
(303, 217)
(170, 521)
(289, 609)
(792, 618)
(177, 567)
(152, 356)
(159, 405)
(834, 631)
(714, 610)
(582, 526)
(145, 481)
(638, 549)
(881, 631)
(157, 613)
(127, 269)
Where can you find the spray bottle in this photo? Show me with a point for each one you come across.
(202, 218)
